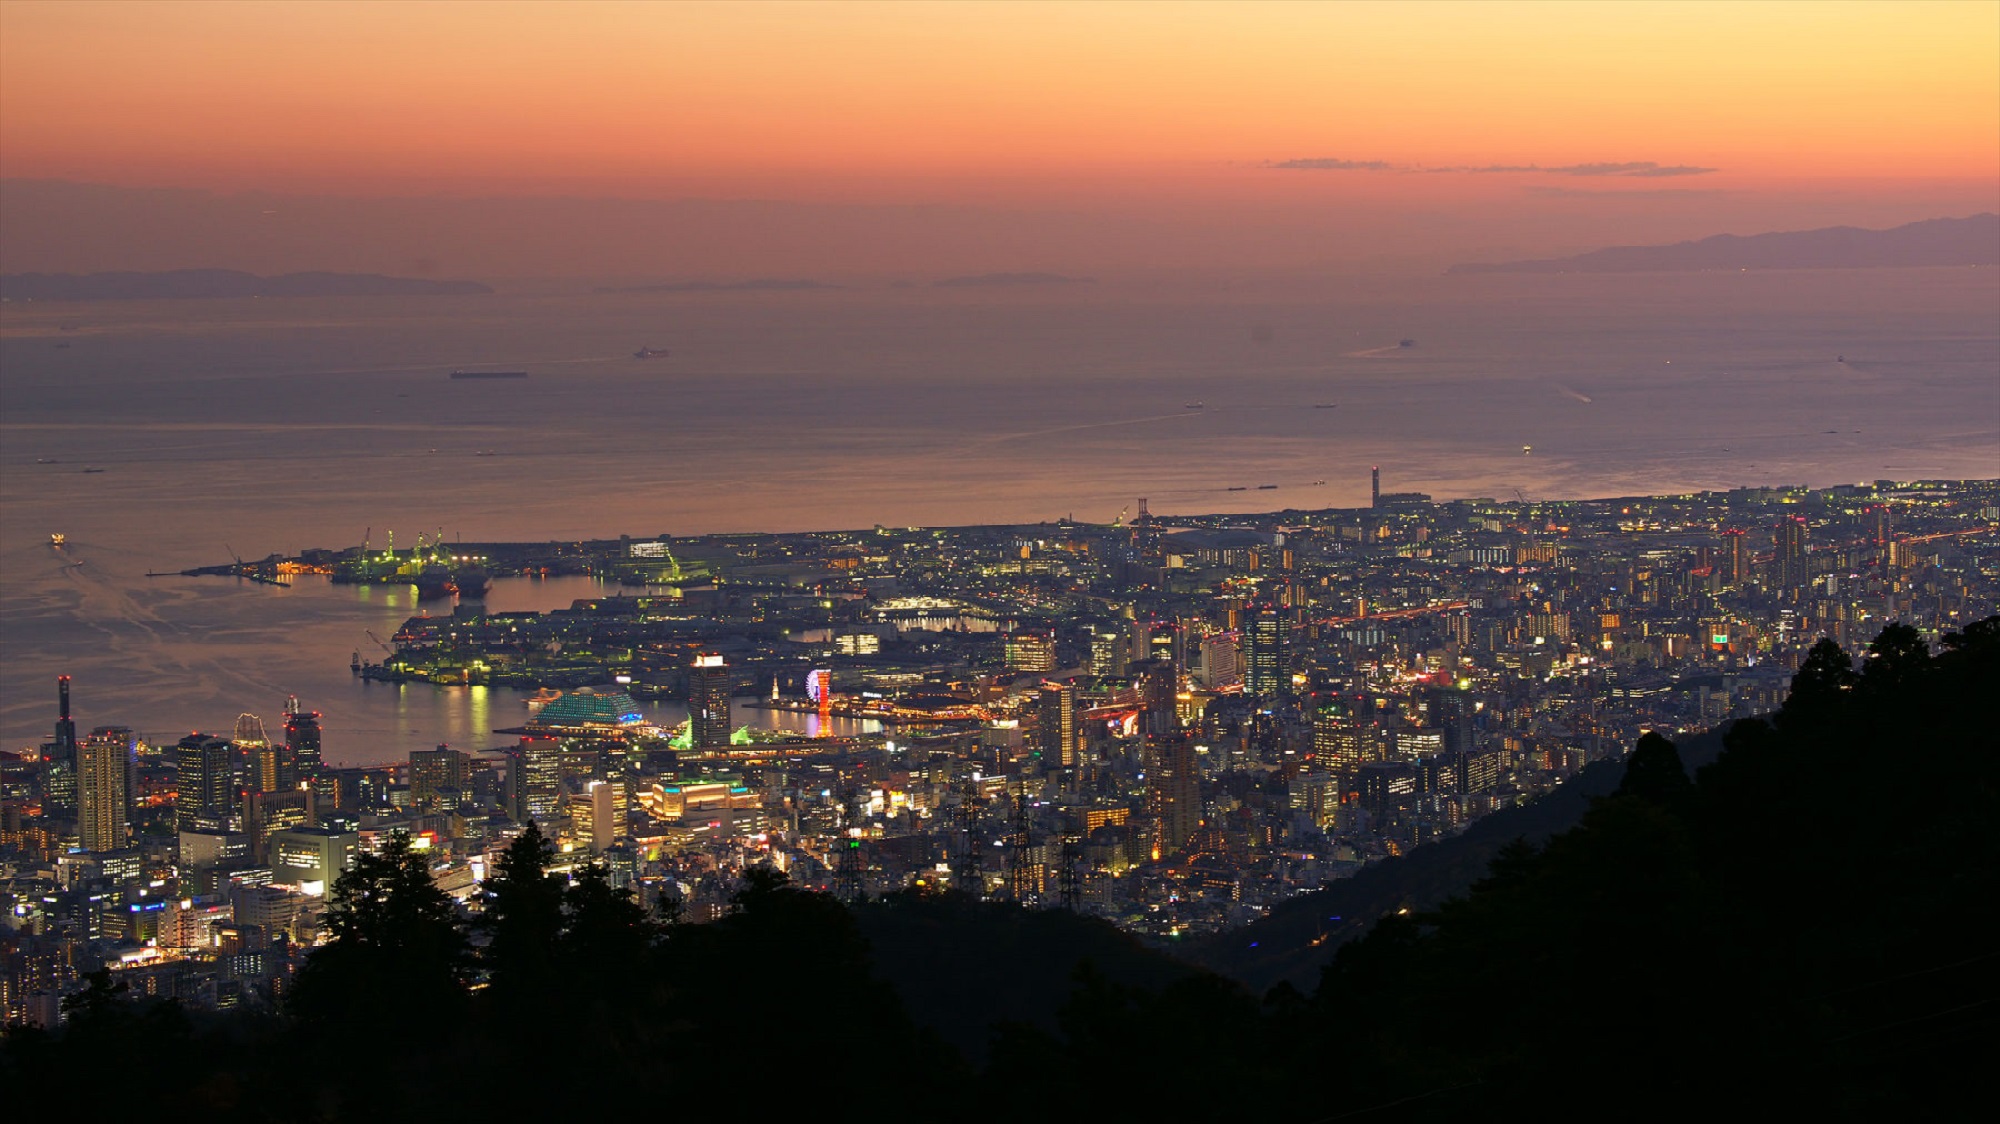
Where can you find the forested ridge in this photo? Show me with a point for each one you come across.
(1800, 927)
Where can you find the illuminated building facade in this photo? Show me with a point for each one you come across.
(205, 796)
(312, 858)
(437, 770)
(59, 758)
(1788, 555)
(1059, 732)
(709, 685)
(1267, 672)
(1030, 651)
(104, 803)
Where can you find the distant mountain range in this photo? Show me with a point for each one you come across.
(767, 284)
(1974, 240)
(198, 284)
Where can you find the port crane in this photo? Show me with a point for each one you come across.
(379, 643)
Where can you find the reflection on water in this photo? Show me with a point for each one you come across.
(173, 655)
(928, 413)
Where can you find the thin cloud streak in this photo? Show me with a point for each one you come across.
(1637, 169)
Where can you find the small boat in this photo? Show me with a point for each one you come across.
(1326, 405)
(93, 470)
(1237, 488)
(1267, 487)
(1406, 343)
(651, 353)
(57, 539)
(47, 460)
(489, 374)
(1526, 449)
(1194, 406)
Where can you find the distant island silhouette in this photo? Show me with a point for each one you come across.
(209, 284)
(767, 284)
(1973, 240)
(997, 280)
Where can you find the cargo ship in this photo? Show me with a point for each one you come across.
(651, 353)
(489, 374)
(437, 581)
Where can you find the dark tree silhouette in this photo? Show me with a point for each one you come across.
(522, 913)
(1654, 772)
(1820, 689)
(396, 942)
(1895, 657)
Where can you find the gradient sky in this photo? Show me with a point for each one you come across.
(1437, 106)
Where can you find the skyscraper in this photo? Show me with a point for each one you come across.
(1788, 556)
(1174, 794)
(1738, 560)
(205, 791)
(1341, 744)
(59, 758)
(435, 770)
(1267, 672)
(104, 799)
(1058, 719)
(534, 781)
(302, 734)
(708, 702)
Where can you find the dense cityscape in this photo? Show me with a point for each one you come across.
(1171, 723)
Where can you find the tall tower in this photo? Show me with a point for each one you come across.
(1267, 673)
(1738, 559)
(1058, 724)
(1173, 796)
(302, 736)
(104, 800)
(1788, 557)
(1375, 486)
(708, 702)
(59, 757)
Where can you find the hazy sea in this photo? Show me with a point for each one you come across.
(261, 425)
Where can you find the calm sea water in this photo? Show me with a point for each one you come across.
(256, 426)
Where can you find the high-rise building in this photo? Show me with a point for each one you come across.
(104, 798)
(1340, 742)
(205, 790)
(1110, 650)
(435, 770)
(266, 813)
(708, 702)
(1058, 720)
(1027, 650)
(1173, 793)
(1451, 711)
(302, 736)
(1788, 556)
(59, 759)
(1737, 557)
(1267, 672)
(1221, 660)
(534, 781)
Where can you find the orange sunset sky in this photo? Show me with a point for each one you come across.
(1674, 119)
